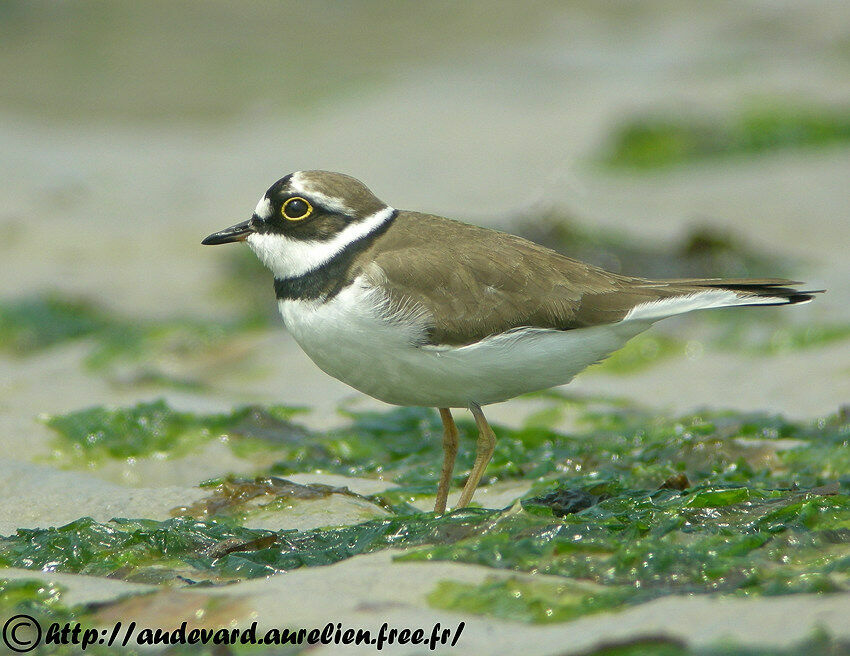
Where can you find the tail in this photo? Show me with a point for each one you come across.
(680, 296)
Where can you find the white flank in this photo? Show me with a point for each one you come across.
(711, 298)
(287, 258)
(264, 209)
(350, 338)
(300, 185)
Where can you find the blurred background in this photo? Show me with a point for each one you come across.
(654, 138)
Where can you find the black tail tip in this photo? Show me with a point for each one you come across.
(803, 296)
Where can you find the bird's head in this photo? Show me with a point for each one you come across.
(306, 218)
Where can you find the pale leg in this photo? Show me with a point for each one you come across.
(483, 454)
(449, 455)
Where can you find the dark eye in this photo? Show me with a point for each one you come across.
(296, 209)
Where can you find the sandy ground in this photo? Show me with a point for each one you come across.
(115, 212)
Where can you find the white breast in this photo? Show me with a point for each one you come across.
(349, 338)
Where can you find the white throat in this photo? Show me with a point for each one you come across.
(288, 258)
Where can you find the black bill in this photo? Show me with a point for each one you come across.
(238, 232)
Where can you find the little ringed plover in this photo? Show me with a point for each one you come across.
(418, 310)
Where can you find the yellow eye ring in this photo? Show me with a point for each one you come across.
(296, 209)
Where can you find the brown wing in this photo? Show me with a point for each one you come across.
(470, 282)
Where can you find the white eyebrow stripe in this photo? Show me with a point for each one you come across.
(299, 185)
(289, 258)
(263, 209)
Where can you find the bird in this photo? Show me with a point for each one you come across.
(415, 309)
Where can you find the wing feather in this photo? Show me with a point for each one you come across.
(464, 283)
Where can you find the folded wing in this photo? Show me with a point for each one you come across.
(467, 283)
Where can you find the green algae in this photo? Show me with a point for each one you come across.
(638, 546)
(642, 646)
(768, 513)
(44, 602)
(132, 352)
(149, 551)
(89, 435)
(630, 503)
(525, 600)
(635, 547)
(654, 142)
(611, 443)
(746, 333)
(642, 352)
(137, 550)
(32, 596)
(750, 478)
(34, 323)
(137, 350)
(126, 341)
(402, 442)
(818, 644)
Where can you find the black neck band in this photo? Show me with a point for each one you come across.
(331, 277)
